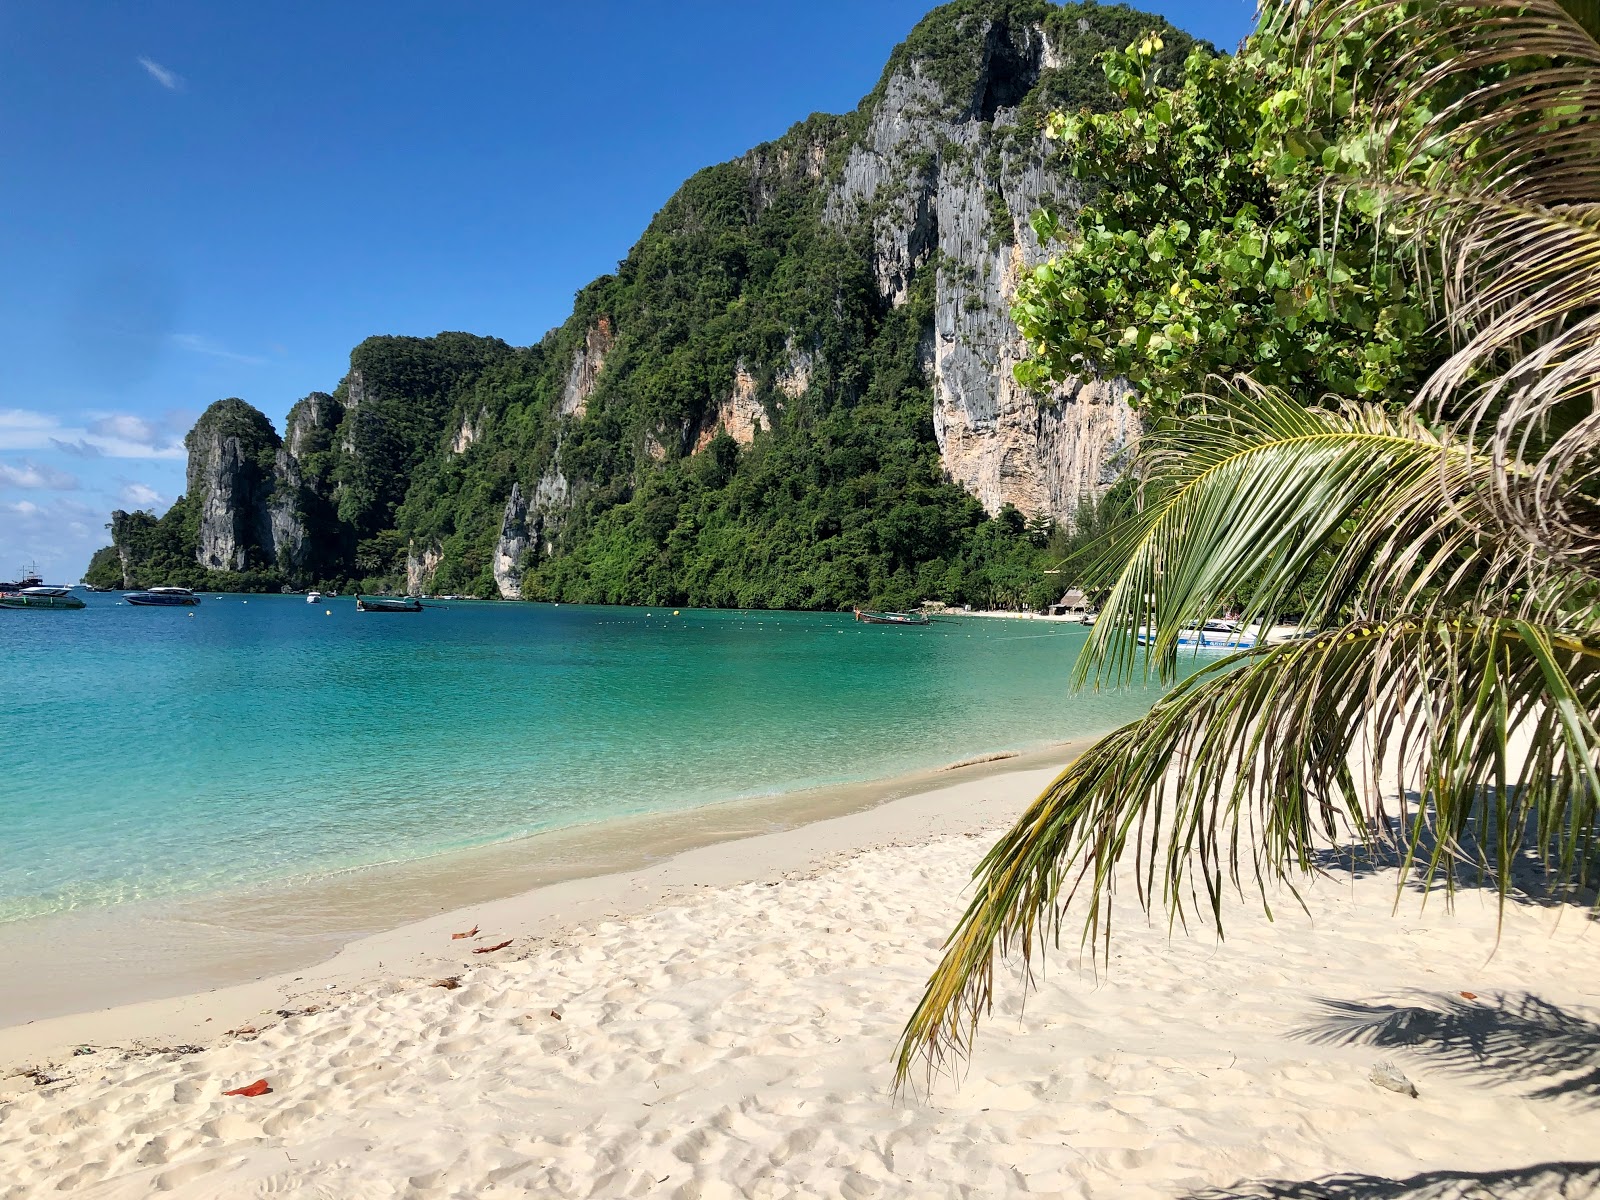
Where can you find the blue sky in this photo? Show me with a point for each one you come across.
(204, 200)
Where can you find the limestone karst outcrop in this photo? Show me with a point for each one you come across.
(856, 257)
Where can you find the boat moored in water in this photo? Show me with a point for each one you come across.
(162, 597)
(1219, 635)
(313, 597)
(387, 603)
(31, 591)
(38, 595)
(891, 618)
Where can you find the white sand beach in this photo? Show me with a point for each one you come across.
(721, 1025)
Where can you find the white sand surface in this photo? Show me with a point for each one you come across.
(734, 1040)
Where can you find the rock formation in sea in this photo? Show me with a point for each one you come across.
(832, 306)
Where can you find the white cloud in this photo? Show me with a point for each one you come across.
(59, 536)
(114, 435)
(22, 419)
(197, 344)
(165, 76)
(28, 474)
(124, 427)
(140, 495)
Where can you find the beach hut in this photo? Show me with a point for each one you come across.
(1073, 603)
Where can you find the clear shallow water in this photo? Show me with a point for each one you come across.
(148, 752)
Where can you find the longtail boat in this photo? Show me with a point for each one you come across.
(891, 618)
(387, 603)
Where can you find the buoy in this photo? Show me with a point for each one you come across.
(674, 612)
(191, 616)
(327, 612)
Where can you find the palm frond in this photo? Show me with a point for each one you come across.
(1501, 180)
(1507, 88)
(1250, 495)
(1242, 768)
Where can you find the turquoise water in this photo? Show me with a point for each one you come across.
(153, 752)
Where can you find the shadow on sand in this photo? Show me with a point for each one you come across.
(1532, 876)
(1541, 1181)
(1502, 1038)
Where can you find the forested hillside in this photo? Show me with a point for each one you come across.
(795, 391)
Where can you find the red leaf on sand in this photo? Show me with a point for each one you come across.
(456, 937)
(1469, 995)
(258, 1088)
(492, 949)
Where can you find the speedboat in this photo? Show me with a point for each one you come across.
(1220, 635)
(31, 594)
(313, 597)
(162, 597)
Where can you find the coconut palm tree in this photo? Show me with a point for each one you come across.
(1449, 556)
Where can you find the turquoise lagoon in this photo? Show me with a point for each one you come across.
(258, 740)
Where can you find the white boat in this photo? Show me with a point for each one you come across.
(1219, 635)
(313, 597)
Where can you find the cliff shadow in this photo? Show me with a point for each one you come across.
(1540, 1181)
(1506, 1038)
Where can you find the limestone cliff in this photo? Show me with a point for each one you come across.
(312, 425)
(513, 544)
(231, 479)
(835, 301)
(585, 370)
(248, 487)
(949, 181)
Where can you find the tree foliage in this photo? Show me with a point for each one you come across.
(1207, 247)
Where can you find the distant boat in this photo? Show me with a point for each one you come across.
(162, 597)
(1219, 635)
(313, 597)
(891, 618)
(31, 594)
(387, 604)
(30, 578)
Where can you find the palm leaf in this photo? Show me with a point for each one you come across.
(1501, 181)
(1245, 767)
(1252, 494)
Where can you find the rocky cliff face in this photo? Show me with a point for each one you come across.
(858, 269)
(949, 182)
(231, 479)
(515, 538)
(249, 488)
(312, 425)
(585, 370)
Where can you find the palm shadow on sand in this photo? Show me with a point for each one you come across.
(1540, 1181)
(1501, 1038)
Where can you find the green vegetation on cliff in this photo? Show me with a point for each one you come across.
(740, 415)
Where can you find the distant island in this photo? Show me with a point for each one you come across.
(795, 392)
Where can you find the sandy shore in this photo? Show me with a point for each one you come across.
(720, 1025)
